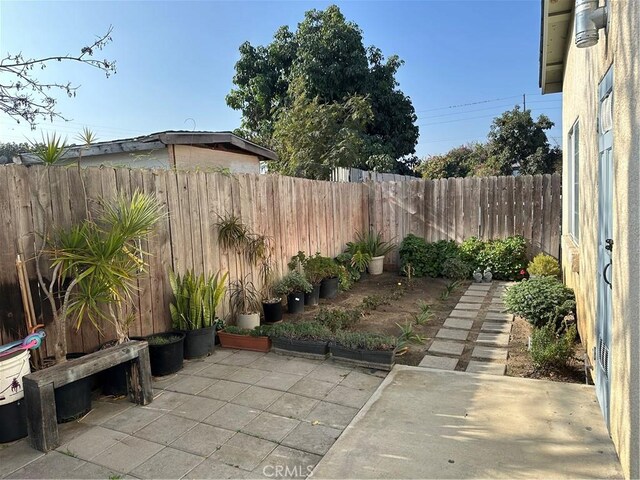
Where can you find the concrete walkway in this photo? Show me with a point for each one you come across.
(425, 423)
(475, 336)
(235, 414)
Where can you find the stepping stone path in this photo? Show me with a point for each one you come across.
(475, 336)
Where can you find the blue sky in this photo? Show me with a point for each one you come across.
(176, 61)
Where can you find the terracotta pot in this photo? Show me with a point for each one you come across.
(244, 342)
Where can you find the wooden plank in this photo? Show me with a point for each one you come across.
(42, 425)
(556, 214)
(460, 220)
(215, 210)
(537, 215)
(518, 221)
(175, 223)
(204, 223)
(527, 207)
(509, 206)
(160, 259)
(450, 207)
(195, 221)
(140, 382)
(547, 213)
(186, 234)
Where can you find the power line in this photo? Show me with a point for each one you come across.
(477, 102)
(469, 118)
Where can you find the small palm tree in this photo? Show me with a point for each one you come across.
(98, 261)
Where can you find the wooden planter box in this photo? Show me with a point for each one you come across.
(244, 342)
(381, 359)
(308, 347)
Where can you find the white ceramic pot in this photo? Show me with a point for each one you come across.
(12, 369)
(376, 265)
(249, 321)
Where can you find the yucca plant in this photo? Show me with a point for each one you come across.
(196, 299)
(98, 263)
(50, 150)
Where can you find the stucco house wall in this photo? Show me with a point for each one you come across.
(192, 157)
(584, 69)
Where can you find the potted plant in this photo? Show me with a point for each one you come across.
(166, 352)
(254, 339)
(314, 273)
(271, 302)
(310, 338)
(245, 303)
(370, 249)
(294, 285)
(330, 272)
(193, 310)
(252, 249)
(94, 270)
(364, 348)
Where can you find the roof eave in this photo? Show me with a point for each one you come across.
(555, 29)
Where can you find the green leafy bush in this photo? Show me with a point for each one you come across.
(550, 349)
(338, 318)
(540, 300)
(456, 269)
(301, 331)
(544, 265)
(292, 282)
(366, 341)
(426, 258)
(370, 244)
(353, 270)
(506, 258)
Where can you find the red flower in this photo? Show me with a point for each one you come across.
(523, 272)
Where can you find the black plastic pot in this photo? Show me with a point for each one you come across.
(295, 302)
(73, 400)
(272, 311)
(329, 288)
(315, 347)
(166, 358)
(199, 343)
(313, 296)
(13, 421)
(380, 357)
(114, 380)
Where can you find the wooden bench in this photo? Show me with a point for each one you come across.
(39, 387)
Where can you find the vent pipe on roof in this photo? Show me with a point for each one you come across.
(589, 19)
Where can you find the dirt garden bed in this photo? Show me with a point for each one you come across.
(402, 310)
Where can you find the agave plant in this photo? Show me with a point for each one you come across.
(98, 263)
(196, 298)
(50, 150)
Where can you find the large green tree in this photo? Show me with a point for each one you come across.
(515, 138)
(324, 64)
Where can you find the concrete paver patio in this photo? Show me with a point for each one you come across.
(235, 414)
(426, 423)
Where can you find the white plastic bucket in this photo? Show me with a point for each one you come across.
(12, 369)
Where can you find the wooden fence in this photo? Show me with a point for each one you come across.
(298, 214)
(355, 175)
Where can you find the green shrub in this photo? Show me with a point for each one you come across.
(366, 341)
(345, 281)
(550, 350)
(301, 331)
(426, 258)
(319, 267)
(456, 269)
(292, 282)
(370, 244)
(353, 270)
(338, 318)
(544, 265)
(506, 258)
(540, 300)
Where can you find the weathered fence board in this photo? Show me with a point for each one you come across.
(297, 214)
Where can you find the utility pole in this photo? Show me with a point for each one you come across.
(524, 101)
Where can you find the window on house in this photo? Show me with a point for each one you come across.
(574, 182)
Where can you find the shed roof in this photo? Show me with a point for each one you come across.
(160, 140)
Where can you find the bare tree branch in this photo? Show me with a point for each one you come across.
(24, 97)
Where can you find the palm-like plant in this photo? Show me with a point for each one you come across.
(370, 243)
(244, 297)
(99, 262)
(50, 150)
(196, 298)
